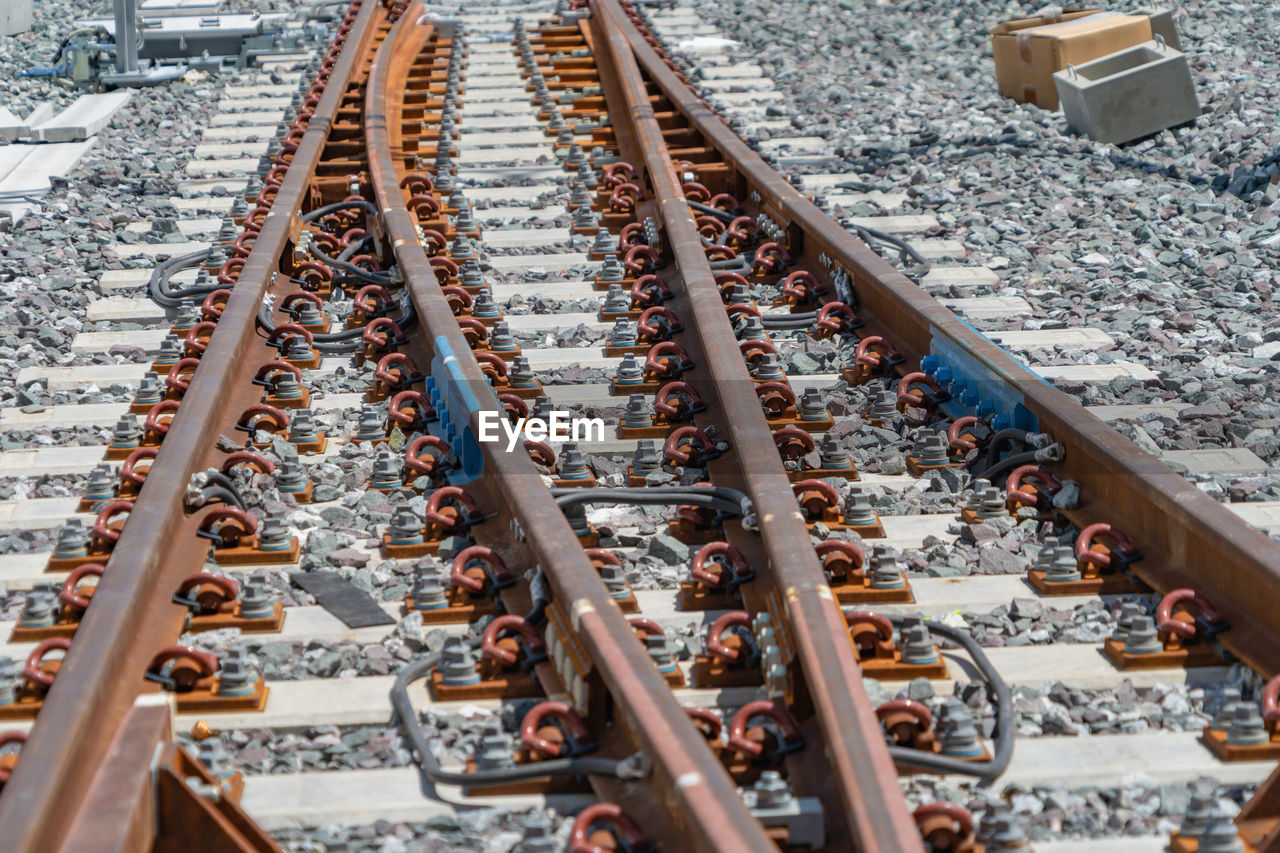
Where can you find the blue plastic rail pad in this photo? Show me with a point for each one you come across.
(974, 387)
(454, 399)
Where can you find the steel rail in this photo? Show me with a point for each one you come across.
(1187, 538)
(865, 798)
(133, 614)
(689, 800)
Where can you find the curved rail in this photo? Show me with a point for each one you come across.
(133, 613)
(864, 796)
(688, 799)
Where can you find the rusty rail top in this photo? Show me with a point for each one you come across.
(864, 796)
(101, 769)
(689, 795)
(134, 614)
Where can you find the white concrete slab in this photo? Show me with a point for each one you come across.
(1231, 460)
(246, 132)
(34, 513)
(1136, 411)
(124, 309)
(940, 276)
(257, 117)
(1081, 666)
(11, 127)
(1167, 757)
(50, 460)
(186, 227)
(32, 173)
(86, 116)
(1127, 844)
(151, 250)
(278, 801)
(216, 150)
(933, 250)
(504, 195)
(254, 90)
(1083, 338)
(230, 166)
(499, 176)
(84, 414)
(1264, 514)
(904, 224)
(989, 307)
(1095, 372)
(506, 238)
(207, 204)
(254, 103)
(11, 156)
(300, 623)
(551, 263)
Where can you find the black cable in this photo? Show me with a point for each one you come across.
(798, 320)
(1041, 456)
(168, 297)
(351, 269)
(541, 598)
(634, 767)
(722, 215)
(871, 236)
(996, 443)
(340, 205)
(211, 485)
(352, 249)
(227, 496)
(987, 771)
(347, 340)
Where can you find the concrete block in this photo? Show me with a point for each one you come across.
(1231, 460)
(11, 127)
(1079, 374)
(932, 250)
(989, 307)
(11, 156)
(253, 103)
(240, 166)
(1162, 25)
(1136, 411)
(911, 223)
(1084, 338)
(15, 17)
(959, 277)
(794, 145)
(84, 118)
(1263, 514)
(41, 162)
(41, 113)
(1130, 94)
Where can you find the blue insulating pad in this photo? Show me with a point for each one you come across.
(454, 399)
(975, 388)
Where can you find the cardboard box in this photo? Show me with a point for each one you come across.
(1028, 51)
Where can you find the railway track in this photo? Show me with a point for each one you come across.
(311, 540)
